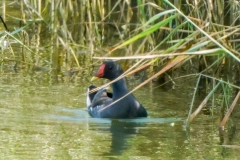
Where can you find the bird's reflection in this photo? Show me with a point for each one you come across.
(121, 132)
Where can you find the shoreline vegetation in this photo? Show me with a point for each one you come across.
(169, 39)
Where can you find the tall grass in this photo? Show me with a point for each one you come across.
(201, 36)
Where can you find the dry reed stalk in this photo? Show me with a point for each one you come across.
(197, 111)
(224, 120)
(3, 9)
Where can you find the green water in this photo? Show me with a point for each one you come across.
(43, 115)
(48, 120)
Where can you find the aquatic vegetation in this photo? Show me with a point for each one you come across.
(169, 41)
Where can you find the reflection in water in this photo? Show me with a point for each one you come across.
(40, 120)
(226, 139)
(121, 133)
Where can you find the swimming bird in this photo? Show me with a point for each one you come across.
(102, 104)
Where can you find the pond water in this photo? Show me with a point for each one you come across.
(44, 116)
(45, 119)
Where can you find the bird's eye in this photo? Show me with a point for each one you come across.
(110, 67)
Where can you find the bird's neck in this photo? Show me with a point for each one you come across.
(119, 88)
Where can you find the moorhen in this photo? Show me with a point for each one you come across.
(100, 103)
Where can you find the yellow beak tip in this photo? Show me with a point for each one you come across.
(94, 78)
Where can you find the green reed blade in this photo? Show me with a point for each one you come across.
(146, 32)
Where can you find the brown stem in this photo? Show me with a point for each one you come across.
(224, 120)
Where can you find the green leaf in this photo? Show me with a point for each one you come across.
(157, 16)
(146, 32)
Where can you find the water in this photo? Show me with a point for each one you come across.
(44, 116)
(43, 120)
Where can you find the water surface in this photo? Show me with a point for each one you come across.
(42, 119)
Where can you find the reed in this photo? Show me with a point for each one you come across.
(65, 36)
